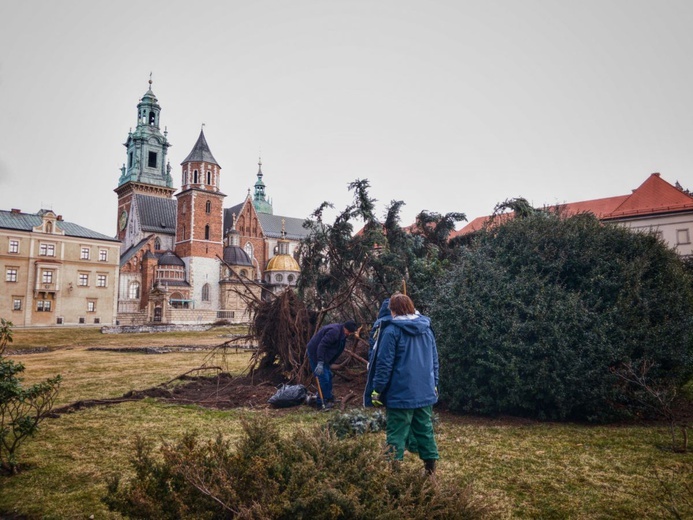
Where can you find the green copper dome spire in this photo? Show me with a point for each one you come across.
(262, 205)
(147, 146)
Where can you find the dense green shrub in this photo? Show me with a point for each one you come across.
(311, 474)
(537, 313)
(22, 408)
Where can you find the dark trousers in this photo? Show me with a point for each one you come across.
(325, 382)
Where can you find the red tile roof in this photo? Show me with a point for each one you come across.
(654, 196)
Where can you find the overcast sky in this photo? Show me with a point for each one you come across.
(446, 105)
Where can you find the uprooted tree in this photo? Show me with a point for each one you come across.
(345, 275)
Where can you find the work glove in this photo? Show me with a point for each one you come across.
(375, 398)
(320, 369)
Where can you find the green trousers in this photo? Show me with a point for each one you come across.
(411, 427)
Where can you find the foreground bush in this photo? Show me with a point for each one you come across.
(22, 409)
(312, 475)
(540, 313)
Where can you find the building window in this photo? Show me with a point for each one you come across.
(278, 277)
(682, 237)
(11, 274)
(14, 246)
(16, 304)
(290, 278)
(43, 306)
(249, 250)
(195, 177)
(134, 292)
(207, 232)
(209, 177)
(103, 255)
(101, 280)
(47, 250)
(205, 292)
(97, 320)
(157, 244)
(85, 254)
(244, 273)
(47, 276)
(151, 160)
(208, 207)
(91, 306)
(81, 320)
(60, 320)
(83, 279)
(130, 160)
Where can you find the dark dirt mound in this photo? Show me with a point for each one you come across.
(224, 391)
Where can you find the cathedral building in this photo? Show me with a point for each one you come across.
(185, 258)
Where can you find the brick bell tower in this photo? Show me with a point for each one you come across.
(199, 229)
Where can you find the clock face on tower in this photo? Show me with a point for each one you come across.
(123, 220)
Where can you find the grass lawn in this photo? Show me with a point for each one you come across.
(532, 470)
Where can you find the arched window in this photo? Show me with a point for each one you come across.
(244, 273)
(249, 250)
(195, 177)
(207, 232)
(185, 177)
(208, 207)
(209, 177)
(134, 292)
(157, 244)
(205, 292)
(152, 118)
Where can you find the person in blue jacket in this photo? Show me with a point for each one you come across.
(383, 319)
(406, 380)
(324, 348)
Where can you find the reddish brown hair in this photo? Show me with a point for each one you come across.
(401, 304)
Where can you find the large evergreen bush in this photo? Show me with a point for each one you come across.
(538, 311)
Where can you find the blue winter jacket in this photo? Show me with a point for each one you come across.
(406, 369)
(327, 344)
(384, 318)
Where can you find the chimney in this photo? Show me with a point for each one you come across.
(16, 211)
(60, 218)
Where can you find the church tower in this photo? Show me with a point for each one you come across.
(262, 205)
(199, 237)
(146, 170)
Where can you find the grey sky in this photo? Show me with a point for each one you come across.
(449, 106)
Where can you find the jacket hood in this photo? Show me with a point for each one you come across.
(412, 324)
(384, 309)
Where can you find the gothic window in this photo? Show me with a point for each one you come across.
(183, 237)
(134, 292)
(205, 292)
(157, 244)
(151, 160)
(249, 250)
(207, 232)
(208, 207)
(195, 177)
(209, 177)
(185, 177)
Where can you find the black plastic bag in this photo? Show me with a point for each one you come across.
(288, 395)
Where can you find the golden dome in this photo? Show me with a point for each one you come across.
(283, 263)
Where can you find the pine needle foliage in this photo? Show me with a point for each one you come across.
(312, 474)
(539, 310)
